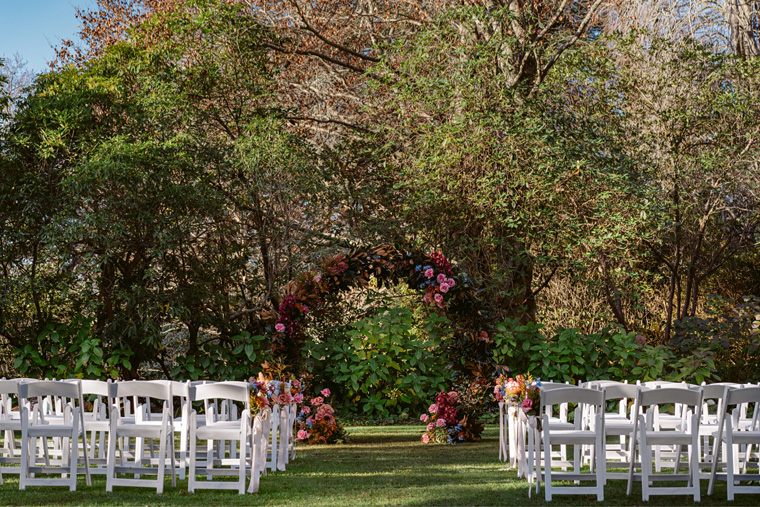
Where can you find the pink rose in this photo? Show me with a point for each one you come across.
(430, 426)
(424, 418)
(439, 298)
(429, 273)
(298, 398)
(441, 278)
(440, 423)
(439, 304)
(444, 287)
(317, 401)
(284, 399)
(451, 282)
(306, 409)
(433, 408)
(303, 434)
(425, 438)
(280, 327)
(426, 298)
(527, 404)
(326, 392)
(318, 278)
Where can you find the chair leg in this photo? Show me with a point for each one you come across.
(191, 477)
(24, 472)
(172, 457)
(111, 460)
(139, 447)
(547, 464)
(242, 456)
(600, 454)
(694, 469)
(161, 463)
(730, 468)
(646, 463)
(74, 460)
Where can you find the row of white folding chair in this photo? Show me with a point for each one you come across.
(589, 431)
(131, 411)
(649, 435)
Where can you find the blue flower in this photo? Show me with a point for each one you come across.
(309, 424)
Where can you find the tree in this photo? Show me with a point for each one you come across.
(692, 115)
(725, 25)
(177, 196)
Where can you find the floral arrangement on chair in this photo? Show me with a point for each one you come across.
(449, 420)
(317, 424)
(523, 392)
(259, 396)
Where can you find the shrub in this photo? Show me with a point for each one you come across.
(387, 363)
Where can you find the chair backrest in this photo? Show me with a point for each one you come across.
(548, 386)
(221, 391)
(41, 388)
(603, 383)
(140, 388)
(713, 391)
(9, 387)
(8, 391)
(743, 395)
(652, 384)
(572, 394)
(618, 391)
(670, 395)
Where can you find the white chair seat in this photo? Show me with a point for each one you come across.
(50, 430)
(667, 438)
(743, 437)
(573, 437)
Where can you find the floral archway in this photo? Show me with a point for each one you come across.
(438, 283)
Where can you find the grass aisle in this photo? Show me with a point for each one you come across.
(381, 466)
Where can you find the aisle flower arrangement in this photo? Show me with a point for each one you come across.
(259, 394)
(317, 424)
(449, 420)
(523, 392)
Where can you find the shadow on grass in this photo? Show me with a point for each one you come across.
(381, 466)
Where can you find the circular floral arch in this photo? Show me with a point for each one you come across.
(449, 292)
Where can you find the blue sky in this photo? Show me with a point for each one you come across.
(32, 27)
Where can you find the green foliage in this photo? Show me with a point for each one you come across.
(388, 362)
(570, 356)
(70, 351)
(723, 343)
(216, 361)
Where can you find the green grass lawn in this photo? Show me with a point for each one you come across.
(381, 466)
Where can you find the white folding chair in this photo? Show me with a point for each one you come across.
(731, 432)
(647, 435)
(96, 422)
(10, 424)
(140, 427)
(560, 422)
(68, 428)
(582, 434)
(619, 424)
(234, 431)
